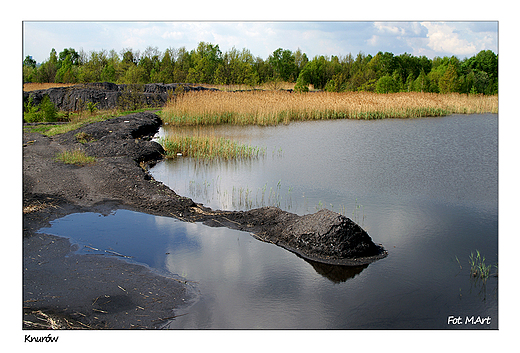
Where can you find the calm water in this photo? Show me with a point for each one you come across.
(427, 189)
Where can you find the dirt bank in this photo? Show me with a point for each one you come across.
(58, 282)
(93, 291)
(109, 95)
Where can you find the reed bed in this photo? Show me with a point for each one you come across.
(282, 107)
(207, 147)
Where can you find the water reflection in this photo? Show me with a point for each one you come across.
(336, 274)
(425, 188)
(429, 193)
(190, 250)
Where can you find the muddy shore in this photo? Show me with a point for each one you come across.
(84, 291)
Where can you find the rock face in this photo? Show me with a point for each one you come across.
(324, 236)
(108, 95)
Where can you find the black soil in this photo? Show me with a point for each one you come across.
(108, 95)
(103, 292)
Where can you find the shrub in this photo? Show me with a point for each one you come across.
(50, 113)
(91, 107)
(45, 112)
(131, 97)
(301, 86)
(30, 112)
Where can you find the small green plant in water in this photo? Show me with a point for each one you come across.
(478, 268)
(356, 214)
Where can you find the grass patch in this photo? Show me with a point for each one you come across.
(83, 137)
(207, 147)
(41, 129)
(281, 107)
(76, 157)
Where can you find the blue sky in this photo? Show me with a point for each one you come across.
(429, 38)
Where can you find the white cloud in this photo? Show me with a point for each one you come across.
(390, 28)
(172, 35)
(262, 38)
(374, 41)
(443, 38)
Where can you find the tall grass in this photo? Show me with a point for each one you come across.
(281, 107)
(207, 147)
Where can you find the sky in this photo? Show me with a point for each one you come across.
(459, 38)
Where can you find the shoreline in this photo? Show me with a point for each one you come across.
(58, 282)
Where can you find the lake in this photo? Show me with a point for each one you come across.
(427, 189)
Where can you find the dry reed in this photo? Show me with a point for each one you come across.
(275, 107)
(28, 87)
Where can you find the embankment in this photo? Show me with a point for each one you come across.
(109, 95)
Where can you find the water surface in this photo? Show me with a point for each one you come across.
(427, 189)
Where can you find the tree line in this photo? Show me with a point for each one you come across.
(382, 73)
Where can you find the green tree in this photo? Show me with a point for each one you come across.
(237, 67)
(166, 67)
(408, 65)
(183, 62)
(67, 73)
(337, 83)
(135, 75)
(129, 57)
(388, 63)
(47, 70)
(300, 60)
(92, 70)
(421, 83)
(448, 81)
(108, 73)
(487, 61)
(386, 84)
(362, 79)
(283, 64)
(150, 63)
(318, 72)
(29, 62)
(29, 69)
(481, 73)
(206, 60)
(408, 85)
(72, 54)
(110, 70)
